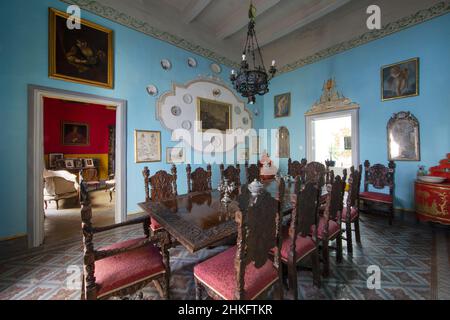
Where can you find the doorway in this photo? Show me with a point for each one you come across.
(334, 137)
(71, 152)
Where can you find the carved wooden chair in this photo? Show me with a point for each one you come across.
(295, 168)
(298, 243)
(246, 271)
(380, 177)
(199, 180)
(315, 172)
(161, 186)
(351, 206)
(233, 174)
(122, 268)
(329, 228)
(252, 172)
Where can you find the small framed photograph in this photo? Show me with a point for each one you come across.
(70, 164)
(60, 164)
(78, 163)
(89, 163)
(53, 158)
(75, 134)
(244, 155)
(282, 105)
(175, 155)
(147, 146)
(400, 80)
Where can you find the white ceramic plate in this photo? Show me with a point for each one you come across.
(166, 64)
(237, 110)
(187, 98)
(152, 90)
(431, 179)
(187, 125)
(192, 62)
(216, 68)
(176, 111)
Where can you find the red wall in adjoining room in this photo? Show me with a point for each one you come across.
(98, 117)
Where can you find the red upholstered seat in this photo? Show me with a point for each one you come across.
(353, 214)
(303, 246)
(154, 225)
(120, 271)
(333, 228)
(376, 196)
(219, 274)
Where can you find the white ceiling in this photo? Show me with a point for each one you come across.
(287, 30)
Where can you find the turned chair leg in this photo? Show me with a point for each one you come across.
(316, 268)
(326, 258)
(57, 204)
(198, 290)
(339, 248)
(279, 290)
(357, 231)
(348, 234)
(45, 205)
(391, 214)
(292, 274)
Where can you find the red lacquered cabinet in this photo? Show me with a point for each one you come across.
(433, 202)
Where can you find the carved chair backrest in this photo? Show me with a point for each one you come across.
(160, 186)
(233, 174)
(335, 199)
(295, 168)
(353, 191)
(315, 172)
(199, 180)
(259, 225)
(252, 172)
(304, 215)
(379, 176)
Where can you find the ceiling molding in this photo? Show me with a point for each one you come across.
(439, 9)
(121, 18)
(110, 13)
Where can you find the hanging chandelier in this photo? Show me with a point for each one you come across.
(252, 78)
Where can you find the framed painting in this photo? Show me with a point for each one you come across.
(282, 106)
(53, 158)
(147, 147)
(254, 145)
(175, 155)
(243, 154)
(400, 80)
(89, 163)
(403, 137)
(214, 115)
(75, 134)
(82, 55)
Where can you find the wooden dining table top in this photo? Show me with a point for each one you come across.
(199, 220)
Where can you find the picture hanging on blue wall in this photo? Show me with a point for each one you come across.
(400, 80)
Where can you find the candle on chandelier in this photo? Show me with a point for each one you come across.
(233, 72)
(243, 57)
(273, 63)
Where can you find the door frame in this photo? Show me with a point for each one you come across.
(353, 113)
(35, 195)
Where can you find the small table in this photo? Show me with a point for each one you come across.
(199, 220)
(433, 202)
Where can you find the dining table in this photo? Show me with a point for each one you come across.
(200, 220)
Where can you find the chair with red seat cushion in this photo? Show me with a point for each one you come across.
(329, 226)
(252, 172)
(352, 206)
(296, 168)
(161, 186)
(298, 244)
(125, 267)
(246, 272)
(380, 177)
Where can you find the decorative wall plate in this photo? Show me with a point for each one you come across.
(176, 111)
(245, 121)
(217, 92)
(152, 90)
(216, 68)
(216, 142)
(166, 64)
(187, 125)
(187, 98)
(192, 62)
(237, 110)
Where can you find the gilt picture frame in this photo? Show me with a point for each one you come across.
(214, 115)
(403, 133)
(147, 146)
(175, 155)
(84, 55)
(75, 134)
(400, 80)
(282, 105)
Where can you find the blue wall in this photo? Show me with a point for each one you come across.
(24, 61)
(357, 73)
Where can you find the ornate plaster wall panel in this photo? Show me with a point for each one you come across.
(178, 109)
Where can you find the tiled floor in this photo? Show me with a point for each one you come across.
(413, 259)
